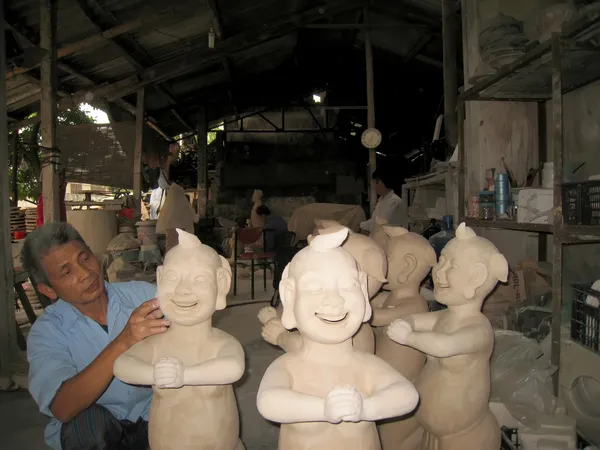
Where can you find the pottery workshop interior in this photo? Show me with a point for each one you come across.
(300, 225)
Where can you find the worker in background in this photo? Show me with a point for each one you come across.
(389, 206)
(272, 224)
(62, 189)
(72, 347)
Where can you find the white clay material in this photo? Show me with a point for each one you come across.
(455, 383)
(327, 395)
(192, 365)
(410, 258)
(370, 256)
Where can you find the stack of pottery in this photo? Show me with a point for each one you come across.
(502, 41)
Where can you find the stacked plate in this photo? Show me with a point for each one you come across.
(17, 219)
(502, 41)
(30, 219)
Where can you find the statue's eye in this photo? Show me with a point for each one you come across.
(348, 284)
(201, 279)
(313, 286)
(170, 276)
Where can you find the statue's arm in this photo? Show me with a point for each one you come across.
(278, 402)
(423, 321)
(379, 299)
(393, 395)
(135, 365)
(226, 368)
(382, 317)
(467, 340)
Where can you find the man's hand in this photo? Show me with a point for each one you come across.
(168, 373)
(399, 330)
(343, 403)
(144, 321)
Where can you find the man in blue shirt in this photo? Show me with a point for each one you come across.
(273, 225)
(72, 347)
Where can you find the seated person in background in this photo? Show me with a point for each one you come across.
(72, 347)
(273, 224)
(389, 206)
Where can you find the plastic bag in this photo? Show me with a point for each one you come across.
(521, 379)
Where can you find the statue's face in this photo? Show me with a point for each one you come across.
(188, 286)
(330, 297)
(452, 275)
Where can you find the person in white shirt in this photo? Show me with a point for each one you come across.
(389, 206)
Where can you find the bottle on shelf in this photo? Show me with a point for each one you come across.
(439, 240)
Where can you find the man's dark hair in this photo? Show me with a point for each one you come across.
(383, 177)
(41, 242)
(263, 210)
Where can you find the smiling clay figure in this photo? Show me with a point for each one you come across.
(410, 259)
(191, 366)
(370, 256)
(327, 394)
(455, 383)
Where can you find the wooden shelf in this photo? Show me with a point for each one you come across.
(579, 234)
(508, 225)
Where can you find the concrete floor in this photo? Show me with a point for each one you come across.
(22, 426)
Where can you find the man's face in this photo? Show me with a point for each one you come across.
(188, 287)
(74, 274)
(379, 187)
(330, 299)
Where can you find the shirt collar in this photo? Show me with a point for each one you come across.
(388, 195)
(72, 315)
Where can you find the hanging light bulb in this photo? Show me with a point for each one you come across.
(211, 38)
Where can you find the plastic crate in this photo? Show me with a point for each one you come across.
(510, 439)
(581, 203)
(585, 319)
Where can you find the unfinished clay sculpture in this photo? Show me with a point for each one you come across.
(177, 212)
(370, 257)
(327, 394)
(410, 258)
(378, 234)
(255, 219)
(455, 383)
(192, 365)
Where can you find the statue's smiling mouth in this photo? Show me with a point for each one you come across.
(331, 318)
(184, 305)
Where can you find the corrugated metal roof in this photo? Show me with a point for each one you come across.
(172, 39)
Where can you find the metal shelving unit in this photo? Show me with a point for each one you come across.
(546, 72)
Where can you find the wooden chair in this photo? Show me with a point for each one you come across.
(258, 257)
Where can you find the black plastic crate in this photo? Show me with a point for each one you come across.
(585, 319)
(581, 203)
(510, 439)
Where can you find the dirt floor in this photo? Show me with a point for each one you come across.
(22, 426)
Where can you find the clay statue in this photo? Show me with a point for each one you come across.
(192, 365)
(255, 220)
(177, 212)
(369, 256)
(410, 258)
(455, 383)
(327, 394)
(378, 234)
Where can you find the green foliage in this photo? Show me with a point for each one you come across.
(28, 174)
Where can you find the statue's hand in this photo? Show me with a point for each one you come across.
(272, 331)
(168, 373)
(266, 314)
(399, 330)
(343, 403)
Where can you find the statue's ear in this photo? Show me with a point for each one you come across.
(410, 265)
(159, 273)
(478, 275)
(287, 292)
(223, 283)
(499, 267)
(364, 288)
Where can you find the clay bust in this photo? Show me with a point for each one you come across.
(327, 394)
(410, 258)
(255, 219)
(378, 234)
(370, 256)
(455, 383)
(192, 365)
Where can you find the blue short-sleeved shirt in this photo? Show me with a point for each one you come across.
(63, 342)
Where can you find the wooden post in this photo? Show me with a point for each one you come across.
(50, 155)
(8, 331)
(450, 30)
(137, 155)
(202, 186)
(15, 168)
(370, 109)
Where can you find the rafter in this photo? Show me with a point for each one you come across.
(130, 50)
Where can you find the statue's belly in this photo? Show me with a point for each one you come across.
(405, 360)
(194, 417)
(322, 435)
